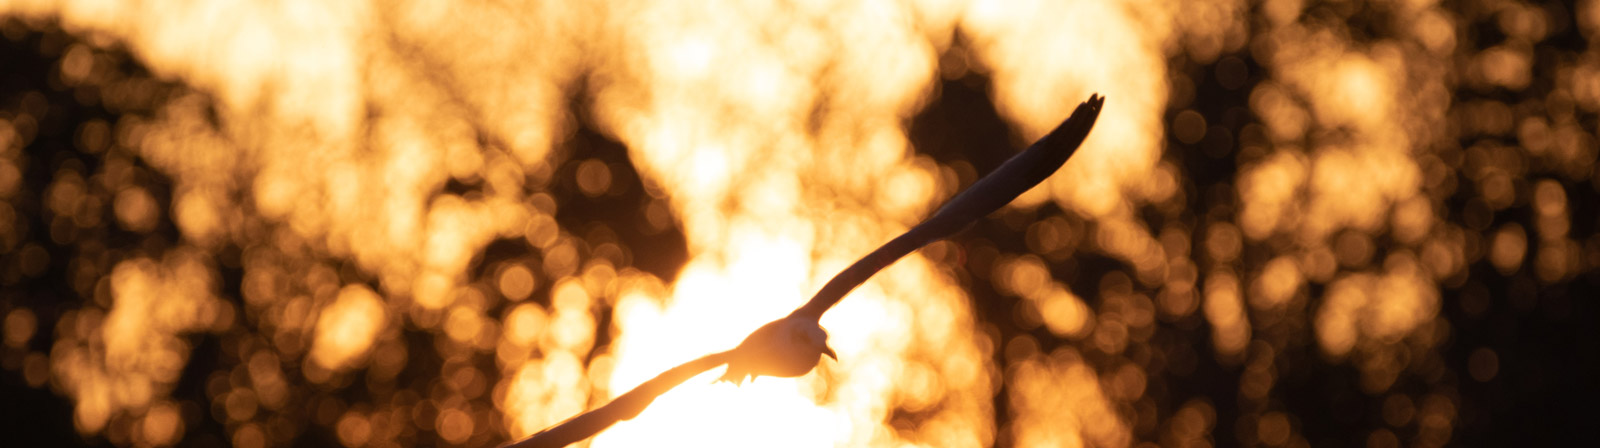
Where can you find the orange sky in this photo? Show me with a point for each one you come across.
(775, 137)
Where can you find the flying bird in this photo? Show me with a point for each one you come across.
(787, 347)
(795, 344)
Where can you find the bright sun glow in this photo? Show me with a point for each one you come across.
(348, 179)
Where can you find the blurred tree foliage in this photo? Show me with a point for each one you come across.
(1514, 364)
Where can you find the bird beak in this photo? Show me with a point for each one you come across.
(826, 350)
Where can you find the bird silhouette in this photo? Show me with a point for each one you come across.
(787, 347)
(793, 345)
(781, 347)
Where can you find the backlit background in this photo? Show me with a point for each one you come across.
(312, 223)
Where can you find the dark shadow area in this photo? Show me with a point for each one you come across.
(1543, 389)
(48, 261)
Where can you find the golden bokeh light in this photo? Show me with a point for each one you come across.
(347, 328)
(279, 223)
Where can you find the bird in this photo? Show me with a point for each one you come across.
(787, 348)
(795, 344)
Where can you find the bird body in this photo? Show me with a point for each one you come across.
(787, 347)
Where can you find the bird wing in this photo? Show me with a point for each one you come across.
(1022, 172)
(1015, 176)
(625, 406)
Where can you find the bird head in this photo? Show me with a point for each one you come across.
(787, 347)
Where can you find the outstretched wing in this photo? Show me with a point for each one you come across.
(1011, 179)
(1015, 176)
(624, 407)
